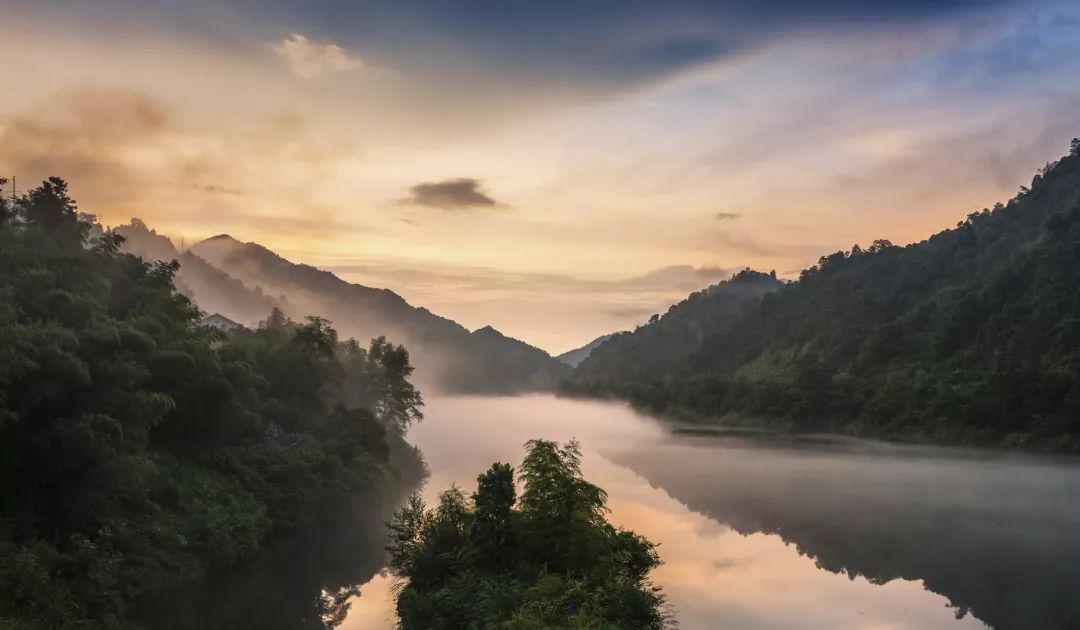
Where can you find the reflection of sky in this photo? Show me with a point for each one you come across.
(611, 134)
(712, 576)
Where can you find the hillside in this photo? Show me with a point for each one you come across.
(574, 357)
(211, 288)
(972, 335)
(659, 348)
(447, 355)
(141, 452)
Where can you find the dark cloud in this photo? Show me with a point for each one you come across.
(605, 42)
(727, 216)
(462, 193)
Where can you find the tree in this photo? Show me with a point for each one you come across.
(550, 560)
(50, 208)
(139, 449)
(5, 209)
(492, 531)
(398, 402)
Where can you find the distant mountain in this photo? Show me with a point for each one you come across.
(447, 355)
(972, 335)
(660, 348)
(577, 355)
(214, 290)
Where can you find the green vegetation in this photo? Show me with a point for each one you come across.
(662, 346)
(547, 560)
(139, 450)
(970, 336)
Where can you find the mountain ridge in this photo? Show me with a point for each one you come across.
(574, 357)
(447, 355)
(969, 336)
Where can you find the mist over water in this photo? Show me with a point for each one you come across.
(757, 532)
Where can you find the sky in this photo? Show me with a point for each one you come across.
(558, 170)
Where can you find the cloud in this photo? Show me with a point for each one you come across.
(451, 194)
(727, 216)
(85, 135)
(524, 303)
(309, 59)
(215, 189)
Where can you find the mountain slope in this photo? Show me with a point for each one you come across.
(574, 357)
(212, 289)
(972, 335)
(659, 349)
(447, 355)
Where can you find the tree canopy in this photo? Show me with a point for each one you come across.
(969, 336)
(139, 449)
(549, 559)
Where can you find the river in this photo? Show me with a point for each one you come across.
(755, 531)
(812, 533)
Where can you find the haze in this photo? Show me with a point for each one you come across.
(558, 174)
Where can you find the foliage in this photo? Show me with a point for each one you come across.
(660, 347)
(969, 336)
(547, 560)
(139, 449)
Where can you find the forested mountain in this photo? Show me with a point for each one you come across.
(971, 335)
(213, 290)
(661, 347)
(574, 357)
(139, 450)
(245, 280)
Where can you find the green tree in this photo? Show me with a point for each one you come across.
(550, 560)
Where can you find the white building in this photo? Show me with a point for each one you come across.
(219, 321)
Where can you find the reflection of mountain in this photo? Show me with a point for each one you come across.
(243, 281)
(995, 535)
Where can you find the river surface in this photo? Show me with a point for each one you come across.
(758, 532)
(755, 531)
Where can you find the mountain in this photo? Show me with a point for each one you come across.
(211, 288)
(659, 348)
(972, 335)
(447, 355)
(577, 355)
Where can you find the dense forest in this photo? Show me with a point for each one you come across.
(970, 336)
(661, 346)
(548, 559)
(140, 450)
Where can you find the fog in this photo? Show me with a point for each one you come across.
(754, 531)
(758, 532)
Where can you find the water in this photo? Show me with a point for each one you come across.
(755, 531)
(821, 533)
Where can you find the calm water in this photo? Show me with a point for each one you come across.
(754, 532)
(758, 533)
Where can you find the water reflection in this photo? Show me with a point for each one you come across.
(307, 581)
(754, 532)
(995, 534)
(810, 534)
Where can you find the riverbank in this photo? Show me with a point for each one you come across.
(925, 433)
